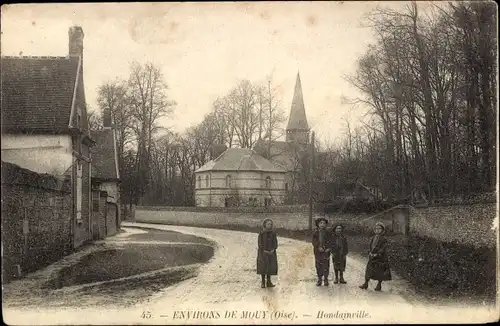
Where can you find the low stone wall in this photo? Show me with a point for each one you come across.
(470, 225)
(240, 209)
(36, 220)
(292, 221)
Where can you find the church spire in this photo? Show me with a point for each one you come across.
(297, 128)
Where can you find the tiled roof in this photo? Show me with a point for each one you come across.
(37, 93)
(103, 155)
(240, 159)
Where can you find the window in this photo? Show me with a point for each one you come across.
(199, 182)
(228, 181)
(207, 179)
(252, 201)
(268, 182)
(286, 186)
(79, 191)
(267, 201)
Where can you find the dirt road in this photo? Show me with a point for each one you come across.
(227, 291)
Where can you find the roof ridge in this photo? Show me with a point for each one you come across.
(35, 57)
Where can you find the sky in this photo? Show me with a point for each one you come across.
(204, 49)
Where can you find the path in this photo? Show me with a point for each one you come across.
(228, 286)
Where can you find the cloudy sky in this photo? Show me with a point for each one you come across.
(204, 49)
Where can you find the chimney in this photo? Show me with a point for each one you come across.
(106, 119)
(76, 41)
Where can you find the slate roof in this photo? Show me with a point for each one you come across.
(297, 119)
(240, 159)
(37, 93)
(104, 164)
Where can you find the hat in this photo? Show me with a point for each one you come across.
(265, 221)
(382, 225)
(337, 225)
(319, 219)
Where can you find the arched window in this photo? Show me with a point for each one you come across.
(207, 181)
(199, 181)
(228, 181)
(268, 182)
(286, 186)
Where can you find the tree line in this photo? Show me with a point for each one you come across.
(429, 83)
(156, 164)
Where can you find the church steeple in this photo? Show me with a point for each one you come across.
(297, 129)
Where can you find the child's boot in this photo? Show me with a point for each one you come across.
(318, 283)
(263, 284)
(342, 281)
(379, 286)
(364, 286)
(326, 281)
(269, 284)
(336, 277)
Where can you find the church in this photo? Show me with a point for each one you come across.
(291, 154)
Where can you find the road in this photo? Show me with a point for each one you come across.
(227, 291)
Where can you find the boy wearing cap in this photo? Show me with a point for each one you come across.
(321, 244)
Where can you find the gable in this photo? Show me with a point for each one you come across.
(37, 93)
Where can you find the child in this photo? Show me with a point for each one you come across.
(339, 253)
(267, 261)
(378, 261)
(321, 244)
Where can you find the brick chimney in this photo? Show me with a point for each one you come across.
(106, 119)
(76, 41)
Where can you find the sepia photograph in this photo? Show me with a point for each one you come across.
(249, 163)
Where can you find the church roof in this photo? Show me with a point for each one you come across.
(285, 154)
(297, 119)
(240, 159)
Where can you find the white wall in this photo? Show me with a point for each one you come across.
(112, 189)
(245, 185)
(50, 154)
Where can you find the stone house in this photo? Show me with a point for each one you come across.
(44, 123)
(105, 181)
(239, 177)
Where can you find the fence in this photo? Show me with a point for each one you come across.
(36, 220)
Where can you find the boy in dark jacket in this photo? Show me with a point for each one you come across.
(321, 241)
(339, 253)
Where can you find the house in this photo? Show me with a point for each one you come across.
(239, 177)
(290, 154)
(44, 123)
(105, 180)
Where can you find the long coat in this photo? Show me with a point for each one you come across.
(326, 245)
(340, 250)
(267, 264)
(378, 262)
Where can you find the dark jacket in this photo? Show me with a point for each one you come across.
(316, 244)
(378, 262)
(267, 263)
(340, 250)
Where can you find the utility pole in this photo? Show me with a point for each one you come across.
(311, 169)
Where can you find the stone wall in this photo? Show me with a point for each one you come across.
(111, 219)
(36, 220)
(470, 224)
(241, 209)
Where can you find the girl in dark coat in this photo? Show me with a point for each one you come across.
(267, 261)
(339, 253)
(321, 241)
(378, 260)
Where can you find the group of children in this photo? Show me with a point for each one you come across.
(327, 242)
